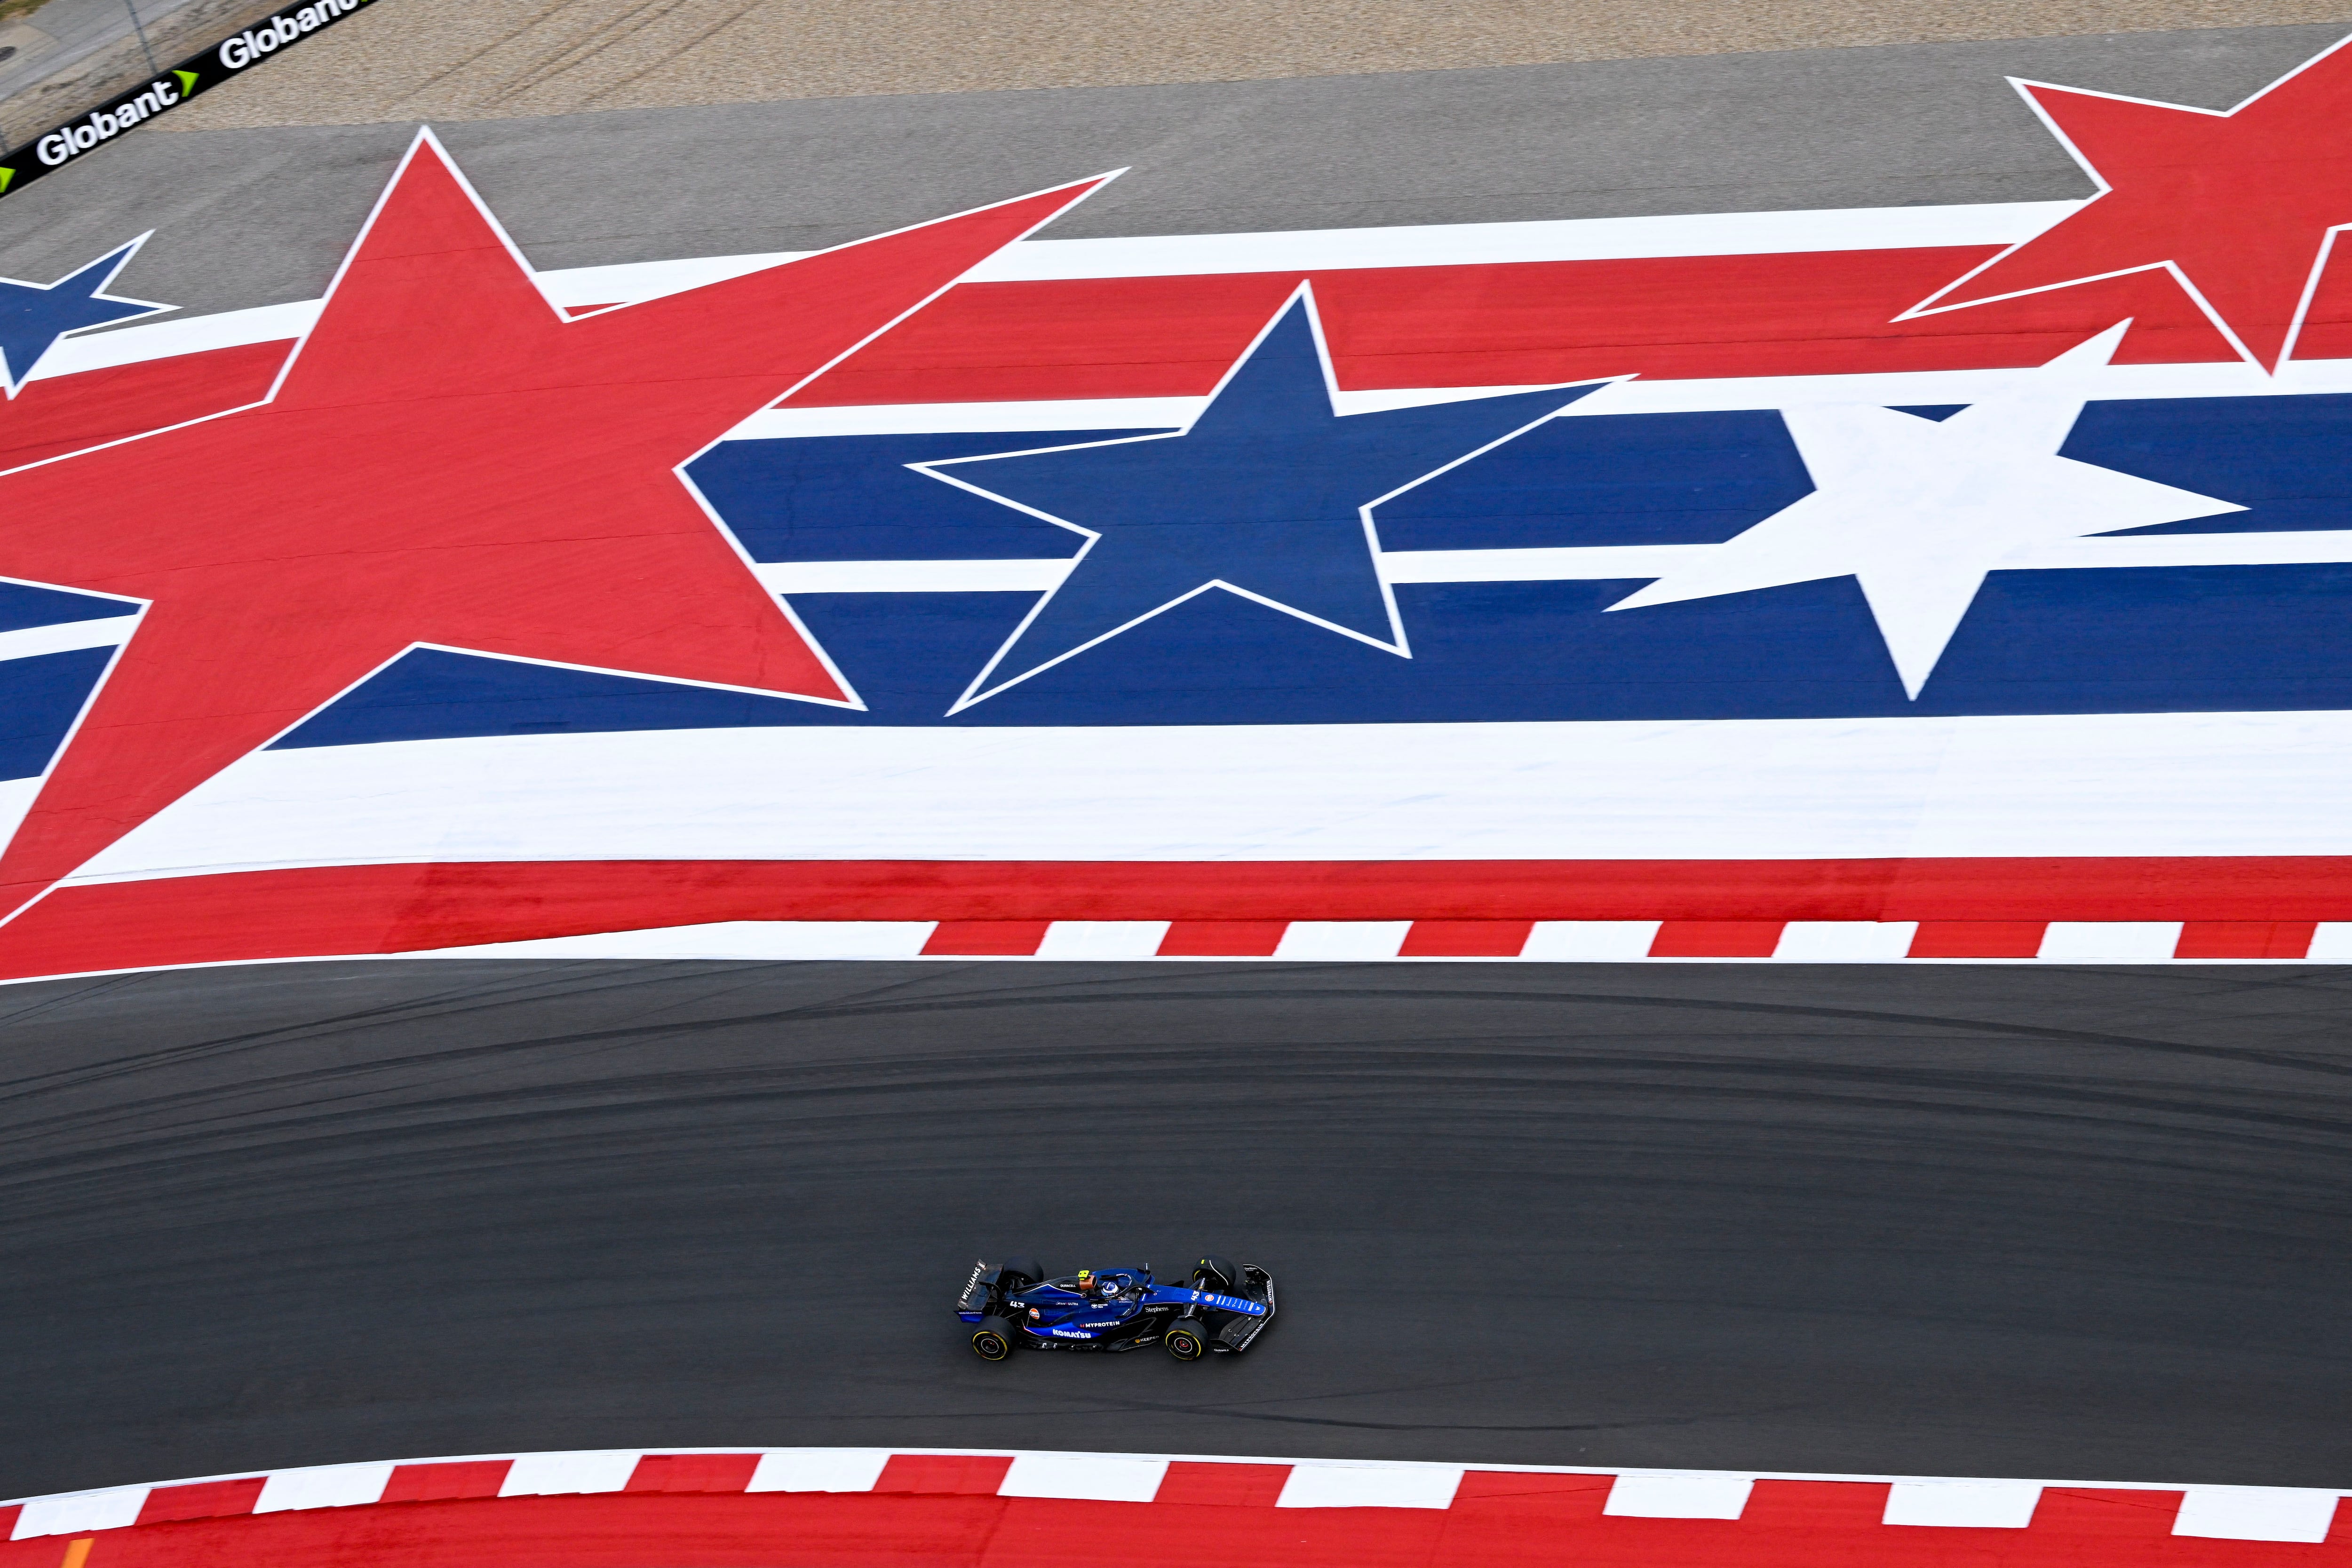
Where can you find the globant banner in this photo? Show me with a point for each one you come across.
(198, 74)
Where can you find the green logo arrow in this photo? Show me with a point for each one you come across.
(187, 82)
(6, 174)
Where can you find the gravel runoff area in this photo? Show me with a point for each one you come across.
(452, 59)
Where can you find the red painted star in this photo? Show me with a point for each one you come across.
(446, 459)
(2241, 205)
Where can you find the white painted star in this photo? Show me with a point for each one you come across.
(1918, 511)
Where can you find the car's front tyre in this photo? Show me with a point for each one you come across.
(1187, 1339)
(994, 1338)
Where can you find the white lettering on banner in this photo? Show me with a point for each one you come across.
(61, 145)
(254, 42)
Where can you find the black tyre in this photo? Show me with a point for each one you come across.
(1187, 1339)
(994, 1338)
(1215, 1273)
(1031, 1271)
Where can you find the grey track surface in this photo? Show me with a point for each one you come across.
(2057, 1222)
(252, 217)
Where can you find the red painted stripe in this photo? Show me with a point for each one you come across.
(692, 1472)
(1222, 939)
(1505, 324)
(2244, 939)
(403, 908)
(986, 938)
(203, 1499)
(1716, 938)
(1978, 938)
(1498, 1520)
(1222, 1484)
(1466, 939)
(968, 1475)
(448, 1481)
(66, 413)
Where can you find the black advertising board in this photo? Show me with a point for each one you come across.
(160, 94)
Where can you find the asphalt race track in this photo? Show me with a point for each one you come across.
(2052, 1222)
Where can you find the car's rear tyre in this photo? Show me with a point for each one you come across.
(1187, 1339)
(1029, 1269)
(1215, 1273)
(994, 1338)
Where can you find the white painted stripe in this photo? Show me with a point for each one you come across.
(65, 636)
(913, 576)
(1103, 939)
(972, 418)
(2061, 785)
(1558, 239)
(1370, 1486)
(726, 939)
(1969, 1505)
(1561, 563)
(77, 1511)
(323, 1486)
(1678, 1496)
(819, 1469)
(1846, 941)
(2255, 1513)
(1590, 941)
(562, 1475)
(1342, 939)
(1094, 1478)
(2110, 941)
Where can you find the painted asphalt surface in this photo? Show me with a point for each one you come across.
(255, 217)
(1974, 1221)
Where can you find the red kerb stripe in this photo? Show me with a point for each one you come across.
(986, 938)
(2245, 939)
(1465, 939)
(1717, 938)
(693, 1472)
(971, 1474)
(204, 1499)
(447, 1482)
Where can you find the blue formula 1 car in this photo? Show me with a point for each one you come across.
(1015, 1305)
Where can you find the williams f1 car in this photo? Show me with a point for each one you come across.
(1015, 1305)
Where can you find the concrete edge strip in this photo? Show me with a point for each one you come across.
(1539, 941)
(2246, 1513)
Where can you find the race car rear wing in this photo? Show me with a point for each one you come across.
(982, 1289)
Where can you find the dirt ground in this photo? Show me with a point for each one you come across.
(449, 60)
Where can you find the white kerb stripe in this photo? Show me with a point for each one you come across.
(322, 1486)
(2110, 941)
(1342, 939)
(109, 1510)
(819, 1469)
(1103, 939)
(2331, 942)
(2256, 1513)
(1366, 1486)
(1094, 1477)
(1679, 1497)
(1590, 941)
(1846, 941)
(562, 1475)
(1963, 1505)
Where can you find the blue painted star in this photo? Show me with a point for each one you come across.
(1269, 494)
(33, 315)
